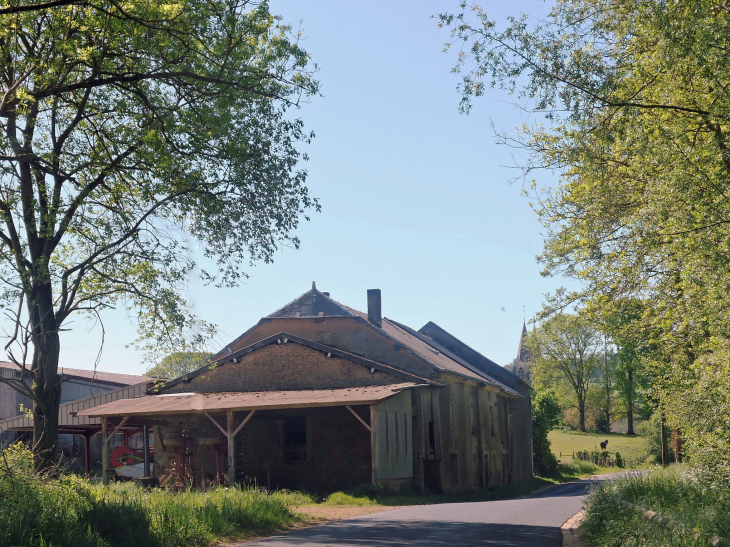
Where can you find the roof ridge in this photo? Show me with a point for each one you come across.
(451, 355)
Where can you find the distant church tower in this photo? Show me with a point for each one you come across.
(521, 366)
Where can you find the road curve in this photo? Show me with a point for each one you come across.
(533, 522)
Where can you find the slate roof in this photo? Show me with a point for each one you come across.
(92, 375)
(312, 303)
(315, 303)
(523, 354)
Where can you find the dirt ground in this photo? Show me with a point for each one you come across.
(327, 513)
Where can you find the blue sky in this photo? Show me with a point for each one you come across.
(415, 198)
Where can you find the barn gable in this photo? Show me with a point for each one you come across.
(287, 362)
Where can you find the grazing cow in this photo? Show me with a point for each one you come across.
(604, 444)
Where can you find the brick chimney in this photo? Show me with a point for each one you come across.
(375, 314)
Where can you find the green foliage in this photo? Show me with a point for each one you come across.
(545, 413)
(70, 512)
(130, 136)
(566, 349)
(636, 116)
(179, 363)
(651, 430)
(690, 504)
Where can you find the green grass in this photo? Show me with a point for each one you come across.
(380, 499)
(68, 511)
(569, 442)
(675, 493)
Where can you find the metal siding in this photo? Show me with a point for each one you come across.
(65, 419)
(394, 439)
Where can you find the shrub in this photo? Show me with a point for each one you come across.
(545, 413)
(652, 432)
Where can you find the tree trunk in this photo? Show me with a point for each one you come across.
(664, 441)
(582, 414)
(46, 383)
(630, 404)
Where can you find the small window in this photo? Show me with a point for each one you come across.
(454, 465)
(431, 438)
(491, 419)
(295, 438)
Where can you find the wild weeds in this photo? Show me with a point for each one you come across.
(696, 510)
(66, 511)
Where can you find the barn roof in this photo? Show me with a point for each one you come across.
(176, 403)
(315, 303)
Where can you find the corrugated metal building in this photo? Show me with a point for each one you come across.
(86, 387)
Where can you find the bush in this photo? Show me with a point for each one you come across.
(545, 413)
(651, 430)
(67, 511)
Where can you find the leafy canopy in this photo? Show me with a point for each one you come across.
(179, 363)
(635, 112)
(133, 135)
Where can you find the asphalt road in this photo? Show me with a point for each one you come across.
(533, 522)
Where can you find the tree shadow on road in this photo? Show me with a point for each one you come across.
(358, 533)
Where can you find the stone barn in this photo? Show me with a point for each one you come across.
(323, 397)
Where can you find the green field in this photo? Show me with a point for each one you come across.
(568, 442)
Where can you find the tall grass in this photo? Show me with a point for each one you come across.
(67, 511)
(693, 506)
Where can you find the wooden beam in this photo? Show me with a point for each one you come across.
(363, 422)
(231, 450)
(215, 423)
(244, 422)
(87, 455)
(104, 451)
(373, 444)
(116, 429)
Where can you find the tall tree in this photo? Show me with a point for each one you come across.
(179, 363)
(567, 346)
(636, 111)
(131, 133)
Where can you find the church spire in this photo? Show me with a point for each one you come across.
(522, 352)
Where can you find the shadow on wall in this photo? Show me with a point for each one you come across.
(361, 532)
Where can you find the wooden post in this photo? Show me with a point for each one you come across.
(231, 450)
(373, 444)
(87, 454)
(104, 450)
(146, 445)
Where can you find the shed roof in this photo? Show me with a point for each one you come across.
(177, 403)
(93, 375)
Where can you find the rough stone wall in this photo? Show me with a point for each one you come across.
(351, 334)
(289, 366)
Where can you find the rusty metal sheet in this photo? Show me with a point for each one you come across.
(246, 400)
